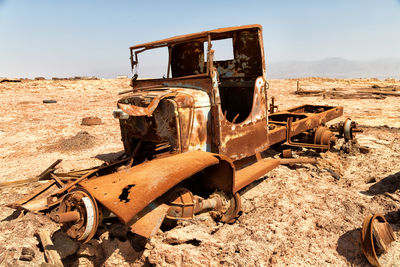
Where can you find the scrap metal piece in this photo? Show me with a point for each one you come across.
(49, 101)
(287, 153)
(44, 175)
(49, 169)
(376, 237)
(272, 106)
(91, 121)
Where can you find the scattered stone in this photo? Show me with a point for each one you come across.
(83, 261)
(27, 254)
(192, 234)
(90, 249)
(364, 149)
(46, 264)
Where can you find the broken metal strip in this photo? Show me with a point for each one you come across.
(31, 196)
(49, 169)
(69, 186)
(59, 182)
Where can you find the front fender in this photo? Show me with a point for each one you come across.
(127, 192)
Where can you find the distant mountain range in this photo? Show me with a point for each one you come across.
(335, 68)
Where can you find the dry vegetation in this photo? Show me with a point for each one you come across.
(293, 216)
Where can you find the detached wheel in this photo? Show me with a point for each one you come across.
(84, 226)
(231, 207)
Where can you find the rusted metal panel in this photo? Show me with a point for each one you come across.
(240, 140)
(129, 191)
(181, 38)
(187, 59)
(175, 115)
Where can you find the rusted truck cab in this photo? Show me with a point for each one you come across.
(203, 103)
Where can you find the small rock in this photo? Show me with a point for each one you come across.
(119, 231)
(64, 245)
(370, 180)
(27, 254)
(90, 249)
(82, 261)
(364, 149)
(46, 264)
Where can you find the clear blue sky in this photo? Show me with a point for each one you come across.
(66, 38)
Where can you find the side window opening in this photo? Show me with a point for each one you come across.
(153, 63)
(223, 49)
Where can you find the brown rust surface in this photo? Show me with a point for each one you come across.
(247, 175)
(129, 191)
(376, 236)
(185, 37)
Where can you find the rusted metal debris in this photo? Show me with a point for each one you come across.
(91, 121)
(376, 237)
(43, 176)
(193, 140)
(373, 92)
(6, 80)
(49, 101)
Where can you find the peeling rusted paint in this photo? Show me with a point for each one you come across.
(151, 180)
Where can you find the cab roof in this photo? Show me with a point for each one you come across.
(221, 33)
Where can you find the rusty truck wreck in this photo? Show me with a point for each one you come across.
(193, 140)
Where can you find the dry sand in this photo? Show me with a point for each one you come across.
(293, 216)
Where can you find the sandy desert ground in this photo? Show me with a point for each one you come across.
(294, 216)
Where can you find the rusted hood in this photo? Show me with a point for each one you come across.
(184, 98)
(127, 192)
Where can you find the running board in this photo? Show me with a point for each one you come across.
(247, 175)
